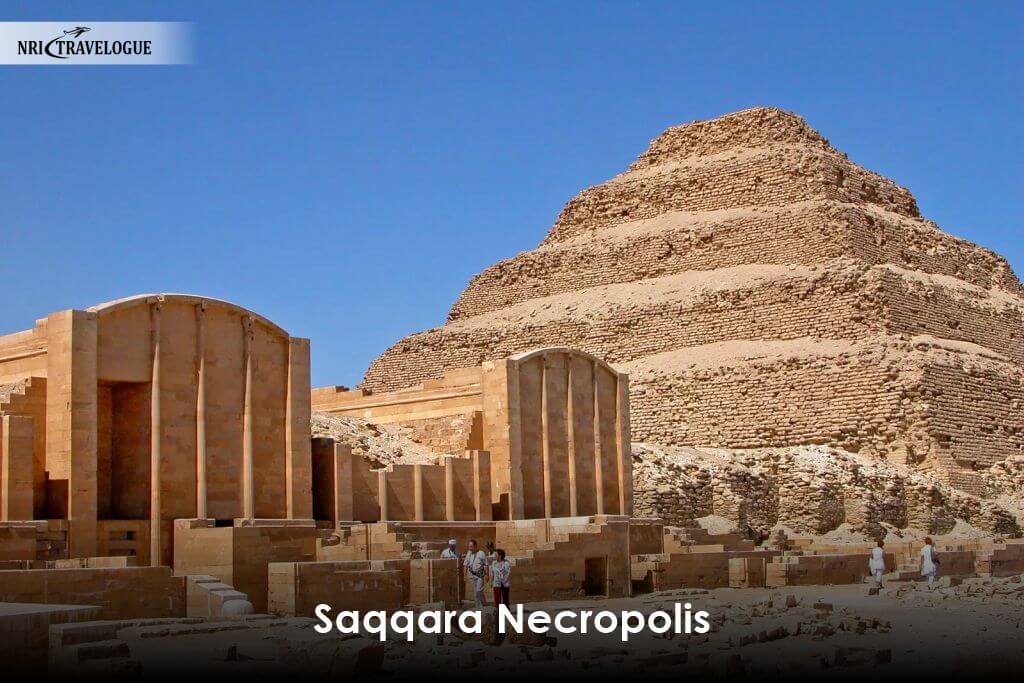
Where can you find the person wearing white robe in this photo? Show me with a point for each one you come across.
(877, 562)
(928, 561)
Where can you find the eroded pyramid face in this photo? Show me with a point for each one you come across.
(761, 290)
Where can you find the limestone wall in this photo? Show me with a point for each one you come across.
(28, 398)
(346, 489)
(239, 555)
(807, 233)
(16, 467)
(838, 300)
(23, 354)
(583, 556)
(216, 393)
(554, 421)
(296, 588)
(120, 593)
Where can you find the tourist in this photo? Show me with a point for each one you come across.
(475, 566)
(501, 571)
(929, 561)
(877, 562)
(450, 553)
(489, 553)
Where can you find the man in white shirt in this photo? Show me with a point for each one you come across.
(475, 566)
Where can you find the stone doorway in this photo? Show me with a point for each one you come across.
(595, 576)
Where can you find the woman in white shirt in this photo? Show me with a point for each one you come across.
(929, 561)
(501, 571)
(877, 562)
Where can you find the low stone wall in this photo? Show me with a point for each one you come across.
(239, 555)
(25, 634)
(119, 592)
(1003, 560)
(690, 570)
(296, 588)
(820, 570)
(583, 556)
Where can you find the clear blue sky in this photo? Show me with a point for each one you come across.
(345, 168)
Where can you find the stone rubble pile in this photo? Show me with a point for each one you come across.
(1005, 483)
(379, 444)
(809, 490)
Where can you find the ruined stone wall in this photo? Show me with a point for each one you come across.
(848, 399)
(807, 233)
(772, 176)
(448, 434)
(804, 490)
(945, 308)
(975, 416)
(838, 300)
(747, 128)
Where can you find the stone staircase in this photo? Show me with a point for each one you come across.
(17, 398)
(697, 539)
(590, 558)
(559, 541)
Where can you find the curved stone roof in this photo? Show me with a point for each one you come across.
(139, 299)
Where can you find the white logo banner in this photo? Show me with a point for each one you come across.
(95, 42)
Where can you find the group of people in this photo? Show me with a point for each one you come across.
(928, 561)
(479, 568)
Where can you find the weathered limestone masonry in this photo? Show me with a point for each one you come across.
(118, 592)
(296, 588)
(346, 489)
(762, 291)
(555, 422)
(806, 490)
(558, 558)
(131, 414)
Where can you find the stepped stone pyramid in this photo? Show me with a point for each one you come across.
(762, 291)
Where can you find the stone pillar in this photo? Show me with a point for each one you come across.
(417, 492)
(481, 485)
(16, 459)
(71, 416)
(598, 464)
(545, 435)
(298, 457)
(344, 501)
(382, 494)
(571, 435)
(449, 489)
(623, 446)
(248, 480)
(155, 518)
(201, 411)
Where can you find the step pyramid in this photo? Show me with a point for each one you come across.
(762, 290)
